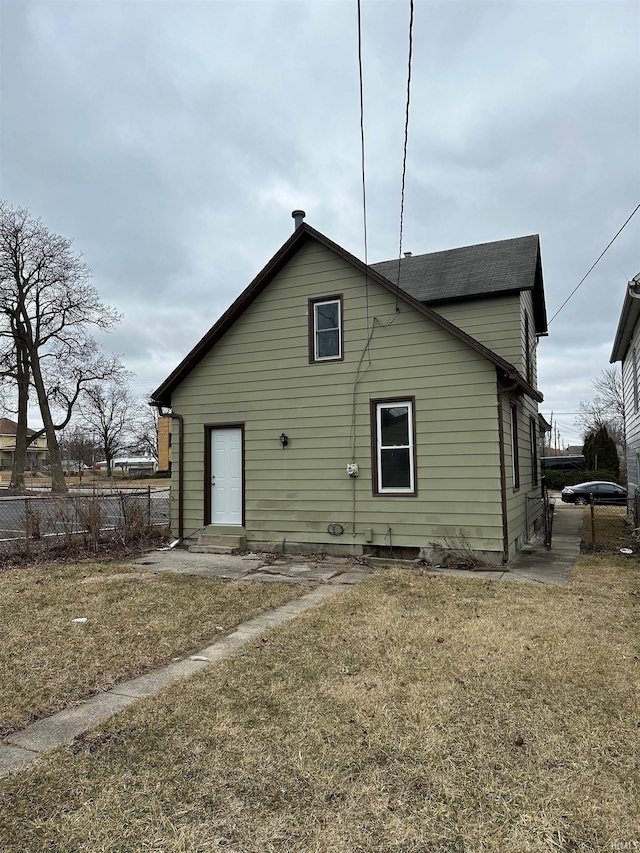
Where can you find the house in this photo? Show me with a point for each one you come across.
(626, 349)
(130, 465)
(37, 451)
(332, 409)
(164, 443)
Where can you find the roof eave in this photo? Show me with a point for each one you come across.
(629, 315)
(162, 395)
(537, 297)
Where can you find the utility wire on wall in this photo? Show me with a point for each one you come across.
(367, 351)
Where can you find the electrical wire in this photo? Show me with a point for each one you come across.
(594, 264)
(366, 350)
(404, 153)
(364, 181)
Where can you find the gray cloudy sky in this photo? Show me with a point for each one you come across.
(172, 140)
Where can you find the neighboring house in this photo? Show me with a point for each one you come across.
(130, 464)
(330, 409)
(164, 443)
(37, 451)
(626, 349)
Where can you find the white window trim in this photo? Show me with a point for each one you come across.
(410, 447)
(317, 305)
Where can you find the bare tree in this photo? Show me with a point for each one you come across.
(109, 408)
(48, 306)
(78, 445)
(145, 430)
(607, 407)
(609, 389)
(14, 369)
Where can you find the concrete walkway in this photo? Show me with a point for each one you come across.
(328, 577)
(22, 748)
(537, 564)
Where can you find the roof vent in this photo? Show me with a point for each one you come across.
(407, 254)
(298, 218)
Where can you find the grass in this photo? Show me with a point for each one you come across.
(91, 479)
(611, 530)
(413, 713)
(135, 620)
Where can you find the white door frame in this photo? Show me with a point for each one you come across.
(224, 475)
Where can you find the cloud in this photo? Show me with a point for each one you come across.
(171, 140)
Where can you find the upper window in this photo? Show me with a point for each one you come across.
(394, 459)
(325, 329)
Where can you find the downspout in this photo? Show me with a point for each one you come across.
(503, 469)
(180, 475)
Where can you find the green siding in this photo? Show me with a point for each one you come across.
(495, 322)
(258, 374)
(526, 309)
(523, 504)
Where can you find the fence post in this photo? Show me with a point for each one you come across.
(149, 506)
(593, 522)
(27, 524)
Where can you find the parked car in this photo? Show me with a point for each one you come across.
(603, 493)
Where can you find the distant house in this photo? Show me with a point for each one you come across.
(37, 451)
(164, 443)
(130, 465)
(626, 349)
(332, 408)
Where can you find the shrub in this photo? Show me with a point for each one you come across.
(599, 448)
(557, 480)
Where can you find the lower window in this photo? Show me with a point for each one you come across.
(394, 440)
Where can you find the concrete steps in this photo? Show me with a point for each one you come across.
(219, 543)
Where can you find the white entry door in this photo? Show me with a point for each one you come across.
(226, 475)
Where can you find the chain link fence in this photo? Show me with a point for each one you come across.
(39, 520)
(609, 528)
(534, 508)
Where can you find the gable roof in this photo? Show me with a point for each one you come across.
(629, 316)
(488, 269)
(9, 427)
(162, 395)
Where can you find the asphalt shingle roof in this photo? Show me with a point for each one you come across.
(9, 427)
(501, 267)
(488, 269)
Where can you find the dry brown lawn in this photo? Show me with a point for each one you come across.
(610, 530)
(413, 713)
(135, 621)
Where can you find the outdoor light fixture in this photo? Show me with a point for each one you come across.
(284, 440)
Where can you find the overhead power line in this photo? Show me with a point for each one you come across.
(406, 142)
(594, 264)
(364, 187)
